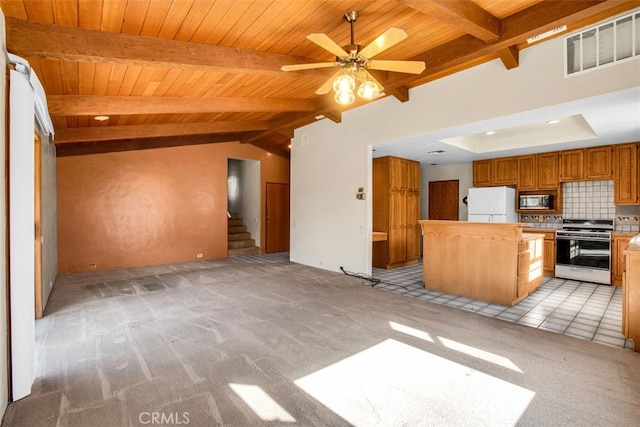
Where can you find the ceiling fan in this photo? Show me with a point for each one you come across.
(355, 61)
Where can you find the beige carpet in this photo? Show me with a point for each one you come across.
(238, 343)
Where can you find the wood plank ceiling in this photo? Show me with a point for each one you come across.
(175, 72)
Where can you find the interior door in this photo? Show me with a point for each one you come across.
(443, 200)
(277, 218)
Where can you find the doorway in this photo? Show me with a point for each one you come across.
(277, 214)
(243, 194)
(443, 200)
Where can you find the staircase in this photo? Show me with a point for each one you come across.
(240, 241)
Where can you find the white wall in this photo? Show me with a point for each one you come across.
(329, 227)
(49, 218)
(250, 191)
(463, 172)
(4, 383)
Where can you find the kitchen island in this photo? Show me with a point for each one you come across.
(493, 262)
(631, 292)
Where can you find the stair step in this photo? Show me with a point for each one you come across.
(237, 229)
(239, 236)
(233, 244)
(235, 222)
(244, 251)
(234, 216)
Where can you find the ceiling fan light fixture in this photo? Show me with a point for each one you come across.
(345, 97)
(368, 90)
(343, 83)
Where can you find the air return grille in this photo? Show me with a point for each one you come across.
(605, 44)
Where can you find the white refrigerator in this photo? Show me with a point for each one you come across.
(492, 204)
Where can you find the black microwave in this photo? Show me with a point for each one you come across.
(536, 202)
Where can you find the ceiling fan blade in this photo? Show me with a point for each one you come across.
(411, 67)
(325, 42)
(328, 85)
(297, 67)
(384, 41)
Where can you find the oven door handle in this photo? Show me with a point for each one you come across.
(584, 239)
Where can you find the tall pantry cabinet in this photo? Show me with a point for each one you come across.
(396, 211)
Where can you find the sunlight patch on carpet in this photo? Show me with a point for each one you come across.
(261, 403)
(393, 383)
(480, 354)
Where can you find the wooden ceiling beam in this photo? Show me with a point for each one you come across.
(89, 105)
(510, 57)
(459, 53)
(463, 15)
(78, 149)
(401, 93)
(111, 133)
(47, 41)
(270, 148)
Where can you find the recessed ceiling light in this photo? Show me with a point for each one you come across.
(553, 122)
(101, 118)
(491, 132)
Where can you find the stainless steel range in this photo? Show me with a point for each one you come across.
(583, 250)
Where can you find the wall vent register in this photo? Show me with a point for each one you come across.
(605, 44)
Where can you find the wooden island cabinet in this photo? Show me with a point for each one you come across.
(631, 291)
(494, 262)
(549, 253)
(619, 242)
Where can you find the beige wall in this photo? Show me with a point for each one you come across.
(149, 207)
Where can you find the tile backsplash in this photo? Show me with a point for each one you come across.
(627, 219)
(588, 200)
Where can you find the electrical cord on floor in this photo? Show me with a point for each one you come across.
(371, 281)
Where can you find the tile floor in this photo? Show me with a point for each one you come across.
(580, 309)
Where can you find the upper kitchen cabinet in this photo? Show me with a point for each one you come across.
(572, 165)
(526, 172)
(397, 173)
(625, 165)
(538, 172)
(494, 172)
(504, 171)
(548, 172)
(586, 164)
(482, 173)
(413, 176)
(598, 161)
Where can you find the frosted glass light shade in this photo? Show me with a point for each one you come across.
(368, 90)
(345, 97)
(344, 82)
